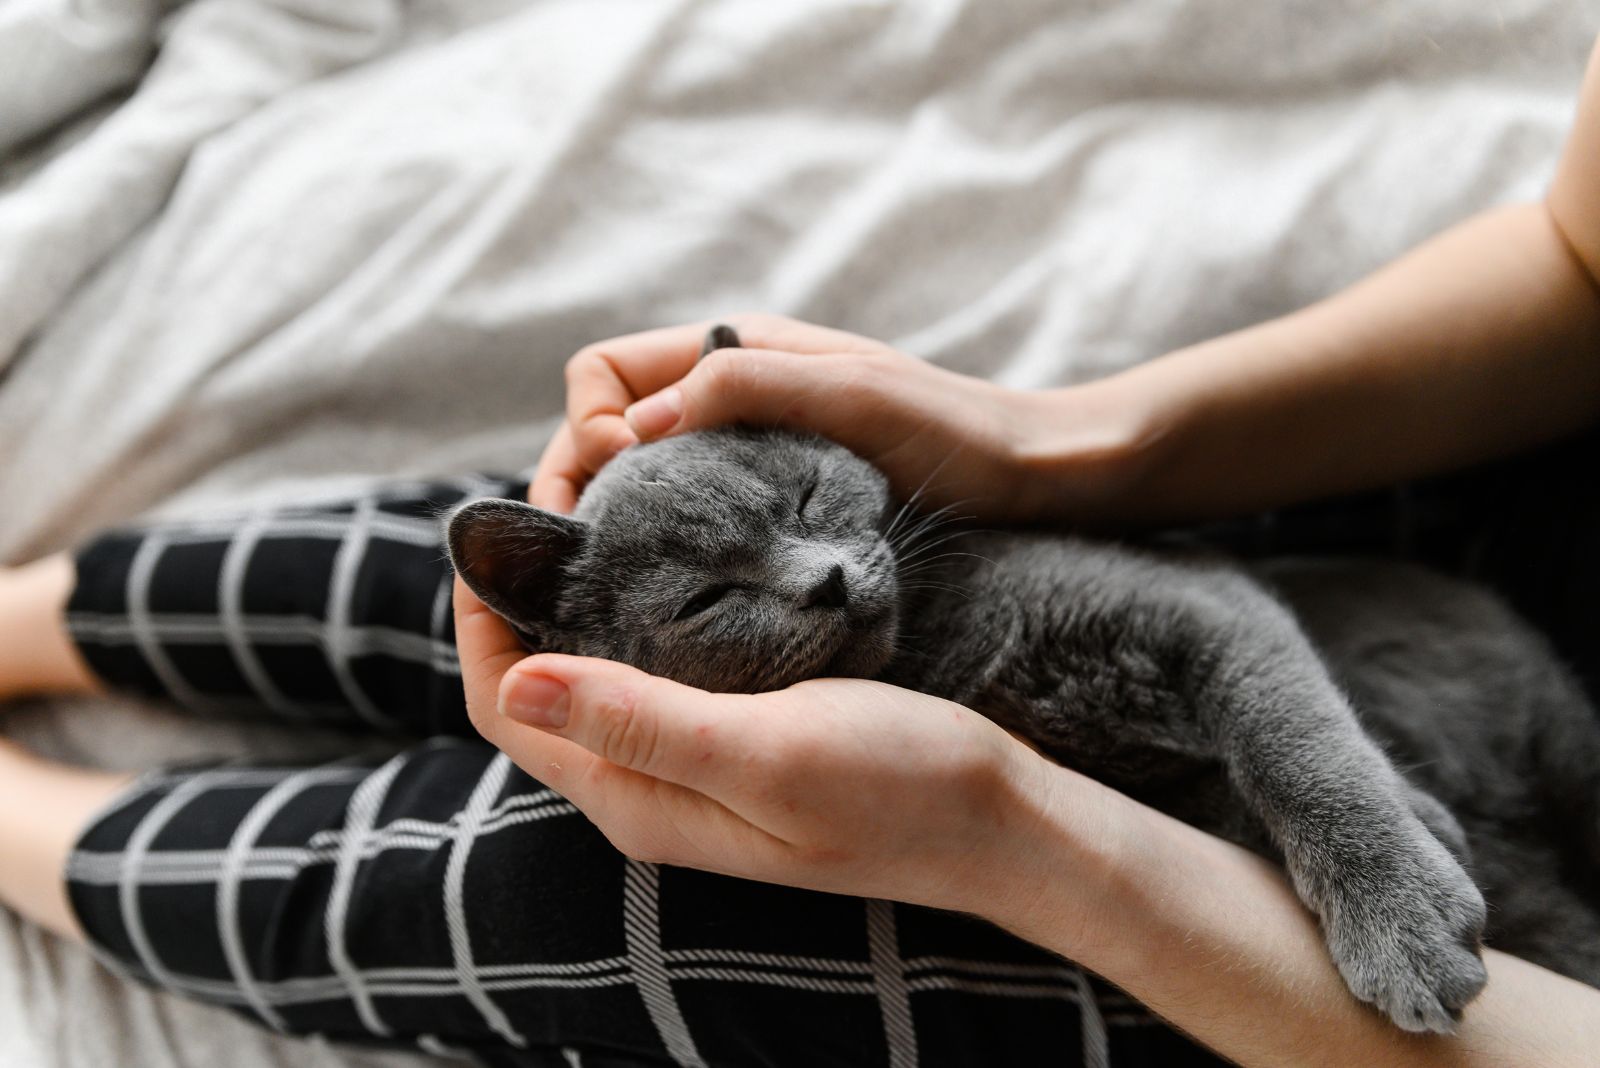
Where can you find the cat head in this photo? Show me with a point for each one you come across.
(732, 560)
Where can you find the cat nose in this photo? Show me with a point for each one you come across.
(829, 593)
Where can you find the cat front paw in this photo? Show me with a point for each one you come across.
(1405, 930)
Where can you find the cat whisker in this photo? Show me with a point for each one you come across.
(922, 566)
(927, 527)
(916, 495)
(938, 587)
(907, 509)
(928, 546)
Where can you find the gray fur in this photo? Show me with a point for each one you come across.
(1373, 727)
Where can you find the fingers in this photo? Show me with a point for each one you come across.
(605, 379)
(625, 717)
(486, 646)
(827, 394)
(642, 757)
(793, 335)
(602, 380)
(488, 649)
(559, 477)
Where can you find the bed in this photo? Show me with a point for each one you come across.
(253, 249)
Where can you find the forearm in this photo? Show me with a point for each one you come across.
(1482, 341)
(1214, 940)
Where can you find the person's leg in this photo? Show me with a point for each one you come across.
(43, 809)
(337, 613)
(446, 897)
(37, 655)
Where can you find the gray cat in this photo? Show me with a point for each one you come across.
(1270, 705)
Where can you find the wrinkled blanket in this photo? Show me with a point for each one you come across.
(257, 248)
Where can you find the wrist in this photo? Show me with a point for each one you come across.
(1083, 453)
(1059, 872)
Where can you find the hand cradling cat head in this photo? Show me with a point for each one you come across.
(731, 560)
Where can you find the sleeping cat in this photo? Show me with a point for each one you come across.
(1270, 705)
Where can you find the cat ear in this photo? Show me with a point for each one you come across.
(511, 555)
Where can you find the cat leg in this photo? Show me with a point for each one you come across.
(1402, 919)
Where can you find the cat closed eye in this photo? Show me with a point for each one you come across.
(701, 601)
(805, 499)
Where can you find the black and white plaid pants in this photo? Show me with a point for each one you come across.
(446, 899)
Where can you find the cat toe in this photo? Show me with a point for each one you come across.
(1406, 939)
(1421, 994)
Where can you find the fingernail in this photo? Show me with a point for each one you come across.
(657, 414)
(537, 701)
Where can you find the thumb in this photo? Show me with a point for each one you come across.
(647, 724)
(764, 387)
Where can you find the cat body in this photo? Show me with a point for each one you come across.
(1106, 656)
(1273, 706)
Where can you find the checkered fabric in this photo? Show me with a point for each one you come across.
(444, 898)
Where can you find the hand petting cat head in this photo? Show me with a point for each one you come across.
(732, 560)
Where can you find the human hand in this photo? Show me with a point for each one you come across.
(841, 785)
(951, 439)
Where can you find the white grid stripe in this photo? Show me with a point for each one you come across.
(616, 971)
(326, 988)
(140, 573)
(1096, 1043)
(989, 988)
(189, 628)
(483, 795)
(363, 815)
(772, 960)
(445, 659)
(406, 530)
(888, 978)
(228, 886)
(793, 982)
(318, 521)
(176, 867)
(128, 886)
(231, 616)
(337, 635)
(641, 924)
(1064, 973)
(440, 619)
